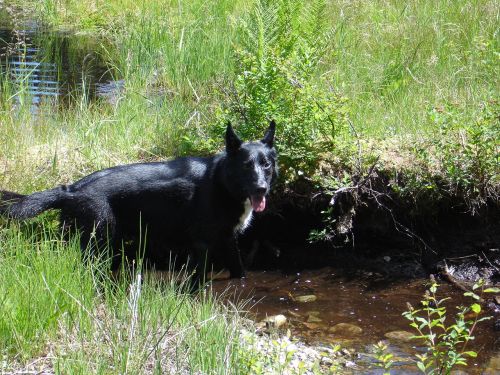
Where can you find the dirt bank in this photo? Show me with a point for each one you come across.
(374, 229)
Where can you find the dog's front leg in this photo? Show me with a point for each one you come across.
(233, 259)
(201, 260)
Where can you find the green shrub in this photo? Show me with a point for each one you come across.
(446, 342)
(468, 150)
(384, 358)
(278, 62)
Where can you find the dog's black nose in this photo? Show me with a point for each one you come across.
(260, 190)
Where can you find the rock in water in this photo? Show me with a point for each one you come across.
(346, 329)
(404, 336)
(313, 319)
(307, 298)
(493, 366)
(275, 321)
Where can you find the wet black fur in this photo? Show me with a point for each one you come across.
(189, 205)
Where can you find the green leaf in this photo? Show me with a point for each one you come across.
(422, 320)
(433, 288)
(476, 308)
(492, 290)
(484, 318)
(421, 367)
(471, 354)
(473, 295)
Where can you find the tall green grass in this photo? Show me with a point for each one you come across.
(397, 60)
(78, 319)
(39, 277)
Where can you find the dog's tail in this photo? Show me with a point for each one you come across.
(19, 206)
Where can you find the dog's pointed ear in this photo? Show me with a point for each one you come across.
(233, 142)
(268, 139)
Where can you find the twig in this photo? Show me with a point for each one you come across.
(358, 186)
(491, 264)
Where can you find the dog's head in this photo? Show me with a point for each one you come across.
(251, 167)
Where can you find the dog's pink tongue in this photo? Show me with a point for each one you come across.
(258, 202)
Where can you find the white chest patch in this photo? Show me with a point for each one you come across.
(245, 218)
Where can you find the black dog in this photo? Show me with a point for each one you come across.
(192, 204)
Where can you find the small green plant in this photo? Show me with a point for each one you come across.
(446, 343)
(384, 358)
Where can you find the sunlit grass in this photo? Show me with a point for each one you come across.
(394, 62)
(397, 60)
(75, 317)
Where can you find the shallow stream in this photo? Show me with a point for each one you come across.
(353, 312)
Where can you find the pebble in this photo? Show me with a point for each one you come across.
(326, 361)
(275, 321)
(312, 326)
(350, 364)
(294, 314)
(313, 312)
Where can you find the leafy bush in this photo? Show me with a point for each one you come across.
(468, 150)
(277, 77)
(384, 358)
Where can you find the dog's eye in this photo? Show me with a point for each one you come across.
(267, 164)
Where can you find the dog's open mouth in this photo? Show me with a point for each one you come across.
(258, 202)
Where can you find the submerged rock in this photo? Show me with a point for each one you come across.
(294, 314)
(404, 336)
(306, 298)
(346, 329)
(313, 319)
(312, 326)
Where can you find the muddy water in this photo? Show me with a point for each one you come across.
(371, 305)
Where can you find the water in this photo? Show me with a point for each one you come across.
(51, 67)
(368, 302)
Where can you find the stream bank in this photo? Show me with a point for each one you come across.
(396, 236)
